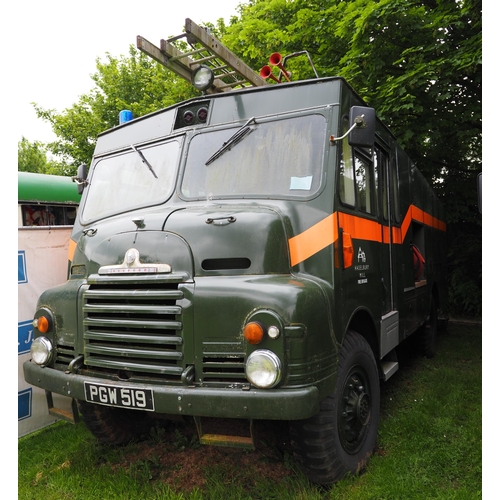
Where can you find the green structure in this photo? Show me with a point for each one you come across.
(45, 200)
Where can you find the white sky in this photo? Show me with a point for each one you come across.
(56, 43)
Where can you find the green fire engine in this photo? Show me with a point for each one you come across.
(255, 253)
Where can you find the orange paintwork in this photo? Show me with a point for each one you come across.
(325, 232)
(314, 239)
(71, 250)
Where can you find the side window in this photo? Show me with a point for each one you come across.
(387, 183)
(357, 181)
(48, 215)
(381, 160)
(365, 184)
(346, 180)
(394, 179)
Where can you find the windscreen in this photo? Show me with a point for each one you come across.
(281, 158)
(141, 176)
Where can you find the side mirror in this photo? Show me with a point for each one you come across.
(81, 178)
(362, 126)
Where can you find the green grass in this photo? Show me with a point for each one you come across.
(429, 447)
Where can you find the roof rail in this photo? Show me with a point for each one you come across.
(229, 70)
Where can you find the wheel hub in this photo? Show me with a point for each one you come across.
(355, 414)
(363, 408)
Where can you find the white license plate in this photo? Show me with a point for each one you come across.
(123, 397)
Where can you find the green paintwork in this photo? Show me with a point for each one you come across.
(231, 265)
(46, 188)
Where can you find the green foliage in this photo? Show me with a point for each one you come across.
(287, 26)
(418, 63)
(136, 83)
(32, 157)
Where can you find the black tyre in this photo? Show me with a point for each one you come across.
(341, 437)
(428, 333)
(114, 426)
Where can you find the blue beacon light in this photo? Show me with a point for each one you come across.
(125, 116)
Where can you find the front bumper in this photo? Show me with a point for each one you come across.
(272, 404)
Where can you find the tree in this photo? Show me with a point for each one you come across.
(136, 83)
(418, 62)
(32, 157)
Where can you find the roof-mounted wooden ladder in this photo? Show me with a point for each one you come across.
(229, 70)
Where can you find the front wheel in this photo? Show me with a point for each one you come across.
(114, 426)
(341, 437)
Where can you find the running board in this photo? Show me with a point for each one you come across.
(233, 441)
(389, 368)
(389, 365)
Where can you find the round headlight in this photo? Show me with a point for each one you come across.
(41, 351)
(263, 369)
(202, 78)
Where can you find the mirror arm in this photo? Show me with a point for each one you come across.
(79, 180)
(358, 122)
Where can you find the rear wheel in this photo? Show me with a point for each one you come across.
(341, 437)
(113, 425)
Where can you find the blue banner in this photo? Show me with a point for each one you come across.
(24, 404)
(22, 274)
(24, 336)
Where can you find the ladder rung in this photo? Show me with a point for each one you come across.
(187, 54)
(229, 73)
(203, 59)
(218, 68)
(178, 37)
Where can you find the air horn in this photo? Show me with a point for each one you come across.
(276, 60)
(267, 72)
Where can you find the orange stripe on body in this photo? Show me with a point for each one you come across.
(400, 233)
(71, 249)
(386, 234)
(325, 232)
(417, 214)
(314, 239)
(359, 228)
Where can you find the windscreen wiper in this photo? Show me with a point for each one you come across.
(143, 158)
(234, 139)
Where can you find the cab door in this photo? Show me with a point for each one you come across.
(360, 234)
(387, 190)
(381, 161)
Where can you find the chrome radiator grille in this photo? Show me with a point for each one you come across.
(133, 324)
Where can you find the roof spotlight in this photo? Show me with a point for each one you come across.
(202, 114)
(202, 78)
(188, 117)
